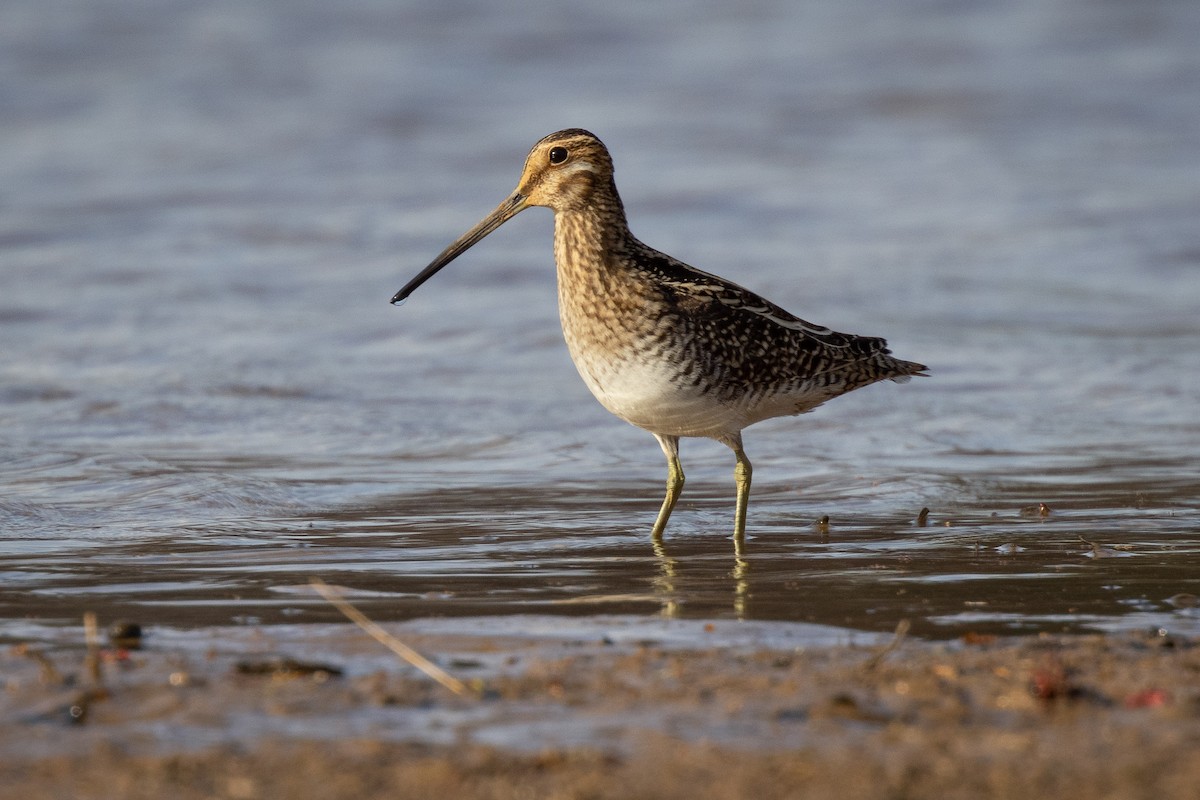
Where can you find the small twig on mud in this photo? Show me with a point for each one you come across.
(390, 642)
(901, 631)
(91, 662)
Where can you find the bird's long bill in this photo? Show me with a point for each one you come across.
(509, 208)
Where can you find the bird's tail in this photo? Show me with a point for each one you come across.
(903, 371)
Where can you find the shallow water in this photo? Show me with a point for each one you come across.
(205, 398)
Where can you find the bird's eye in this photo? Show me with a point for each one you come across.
(558, 155)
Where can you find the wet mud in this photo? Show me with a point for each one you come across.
(612, 709)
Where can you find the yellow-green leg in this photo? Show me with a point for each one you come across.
(670, 448)
(741, 475)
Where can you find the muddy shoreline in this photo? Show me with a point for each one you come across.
(717, 709)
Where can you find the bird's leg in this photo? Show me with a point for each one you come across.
(670, 447)
(741, 475)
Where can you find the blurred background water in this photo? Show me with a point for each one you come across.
(205, 397)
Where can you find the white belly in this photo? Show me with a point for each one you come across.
(642, 393)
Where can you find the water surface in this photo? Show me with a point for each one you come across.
(205, 398)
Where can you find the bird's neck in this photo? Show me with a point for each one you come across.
(591, 241)
(601, 295)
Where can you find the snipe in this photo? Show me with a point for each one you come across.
(662, 345)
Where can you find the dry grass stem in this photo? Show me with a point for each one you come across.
(390, 642)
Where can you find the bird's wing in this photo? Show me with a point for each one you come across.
(711, 296)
